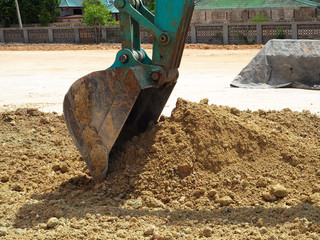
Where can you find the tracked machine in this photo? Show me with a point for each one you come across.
(108, 107)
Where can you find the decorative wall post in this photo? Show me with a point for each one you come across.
(193, 33)
(294, 29)
(1, 36)
(104, 34)
(25, 35)
(259, 33)
(77, 35)
(225, 34)
(50, 33)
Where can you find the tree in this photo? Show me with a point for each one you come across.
(96, 14)
(39, 11)
(8, 14)
(44, 17)
(49, 11)
(32, 11)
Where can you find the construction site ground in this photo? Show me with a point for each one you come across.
(222, 163)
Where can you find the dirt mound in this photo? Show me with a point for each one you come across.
(203, 153)
(205, 172)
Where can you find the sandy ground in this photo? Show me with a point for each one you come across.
(41, 78)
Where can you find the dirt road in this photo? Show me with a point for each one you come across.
(41, 78)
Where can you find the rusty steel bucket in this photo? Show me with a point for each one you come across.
(107, 105)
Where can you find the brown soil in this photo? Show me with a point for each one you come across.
(109, 46)
(206, 172)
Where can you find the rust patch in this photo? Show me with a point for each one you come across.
(82, 103)
(91, 137)
(122, 104)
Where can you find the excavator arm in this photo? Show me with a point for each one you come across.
(108, 107)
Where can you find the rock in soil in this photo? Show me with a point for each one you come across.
(279, 190)
(53, 222)
(3, 231)
(225, 201)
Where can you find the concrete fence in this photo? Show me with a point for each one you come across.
(251, 33)
(244, 33)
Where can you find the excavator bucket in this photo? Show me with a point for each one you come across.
(100, 106)
(112, 105)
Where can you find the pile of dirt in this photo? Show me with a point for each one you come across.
(203, 149)
(205, 172)
(110, 46)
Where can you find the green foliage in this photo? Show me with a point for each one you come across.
(32, 11)
(87, 3)
(280, 34)
(152, 5)
(8, 14)
(95, 13)
(243, 37)
(259, 18)
(44, 17)
(217, 37)
(39, 11)
(113, 22)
